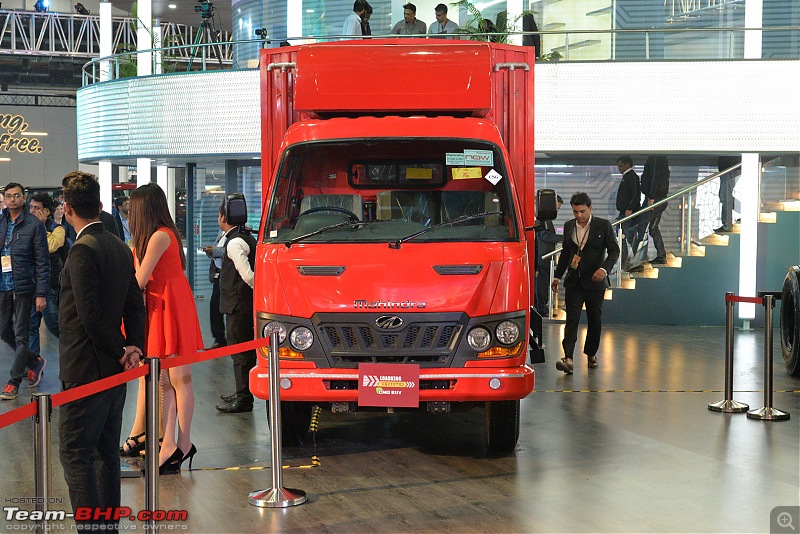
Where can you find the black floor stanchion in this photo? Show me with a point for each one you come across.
(277, 496)
(728, 405)
(767, 412)
(41, 456)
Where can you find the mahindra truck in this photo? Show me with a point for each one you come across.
(395, 253)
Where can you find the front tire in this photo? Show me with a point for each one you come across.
(502, 426)
(790, 321)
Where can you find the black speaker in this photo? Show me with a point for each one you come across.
(546, 205)
(236, 209)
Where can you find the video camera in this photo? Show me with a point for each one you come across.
(262, 33)
(205, 8)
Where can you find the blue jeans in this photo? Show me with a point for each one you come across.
(50, 314)
(15, 317)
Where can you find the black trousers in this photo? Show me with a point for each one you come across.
(89, 435)
(216, 318)
(240, 329)
(575, 298)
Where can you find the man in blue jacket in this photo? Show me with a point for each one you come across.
(24, 283)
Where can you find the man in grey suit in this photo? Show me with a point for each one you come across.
(98, 293)
(588, 254)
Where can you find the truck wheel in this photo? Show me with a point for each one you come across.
(790, 321)
(502, 425)
(295, 420)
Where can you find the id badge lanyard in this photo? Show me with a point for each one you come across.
(576, 258)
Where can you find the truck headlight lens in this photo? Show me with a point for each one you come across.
(267, 330)
(479, 338)
(301, 338)
(507, 332)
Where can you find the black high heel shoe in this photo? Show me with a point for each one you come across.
(132, 446)
(190, 456)
(173, 463)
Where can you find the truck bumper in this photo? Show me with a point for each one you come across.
(449, 385)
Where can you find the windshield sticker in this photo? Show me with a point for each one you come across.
(419, 173)
(454, 159)
(493, 176)
(467, 173)
(273, 234)
(484, 158)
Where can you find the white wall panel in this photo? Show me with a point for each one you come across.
(639, 107)
(703, 106)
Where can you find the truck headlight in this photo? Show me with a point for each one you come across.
(507, 332)
(267, 330)
(301, 338)
(479, 338)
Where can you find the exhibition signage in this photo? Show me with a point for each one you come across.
(388, 385)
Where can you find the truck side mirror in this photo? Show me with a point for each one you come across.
(236, 209)
(546, 205)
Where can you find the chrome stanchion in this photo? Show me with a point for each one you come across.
(728, 405)
(153, 406)
(41, 456)
(767, 412)
(277, 496)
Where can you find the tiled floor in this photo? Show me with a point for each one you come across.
(627, 447)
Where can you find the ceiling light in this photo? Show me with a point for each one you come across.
(172, 6)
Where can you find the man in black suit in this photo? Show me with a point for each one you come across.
(629, 200)
(655, 187)
(98, 292)
(589, 251)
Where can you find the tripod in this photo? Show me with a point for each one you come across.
(205, 27)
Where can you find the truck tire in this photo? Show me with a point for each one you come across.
(502, 425)
(295, 420)
(790, 321)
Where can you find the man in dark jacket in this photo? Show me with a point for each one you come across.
(589, 252)
(98, 291)
(655, 187)
(628, 201)
(24, 283)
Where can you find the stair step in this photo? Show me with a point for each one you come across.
(697, 250)
(769, 217)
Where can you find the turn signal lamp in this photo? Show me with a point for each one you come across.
(283, 353)
(501, 352)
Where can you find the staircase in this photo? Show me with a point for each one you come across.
(690, 289)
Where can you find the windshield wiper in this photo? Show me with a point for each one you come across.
(343, 224)
(457, 220)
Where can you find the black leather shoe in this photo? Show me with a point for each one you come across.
(228, 398)
(217, 345)
(239, 406)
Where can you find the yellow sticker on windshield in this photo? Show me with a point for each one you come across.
(467, 173)
(421, 173)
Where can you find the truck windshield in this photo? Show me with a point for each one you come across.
(388, 190)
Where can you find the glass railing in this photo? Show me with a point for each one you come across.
(656, 44)
(692, 218)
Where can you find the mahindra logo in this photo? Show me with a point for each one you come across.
(389, 322)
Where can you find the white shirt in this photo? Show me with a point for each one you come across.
(237, 251)
(352, 25)
(85, 227)
(579, 235)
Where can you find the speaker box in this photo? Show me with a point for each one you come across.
(236, 209)
(546, 205)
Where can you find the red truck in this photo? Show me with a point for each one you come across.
(398, 185)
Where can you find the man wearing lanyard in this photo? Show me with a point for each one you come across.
(589, 251)
(443, 24)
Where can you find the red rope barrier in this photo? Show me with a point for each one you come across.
(29, 410)
(752, 300)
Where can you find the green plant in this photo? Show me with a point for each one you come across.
(477, 24)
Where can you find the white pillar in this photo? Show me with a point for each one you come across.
(752, 19)
(104, 177)
(157, 43)
(144, 37)
(142, 171)
(161, 177)
(106, 40)
(514, 24)
(170, 191)
(749, 190)
(294, 20)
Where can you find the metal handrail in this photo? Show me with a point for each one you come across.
(653, 206)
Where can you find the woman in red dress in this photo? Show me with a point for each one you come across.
(172, 324)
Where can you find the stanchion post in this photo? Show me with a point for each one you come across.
(767, 412)
(152, 409)
(277, 496)
(41, 456)
(728, 405)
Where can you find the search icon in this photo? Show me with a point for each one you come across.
(785, 520)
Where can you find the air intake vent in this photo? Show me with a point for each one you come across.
(321, 270)
(446, 270)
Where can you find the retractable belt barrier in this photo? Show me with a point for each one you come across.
(42, 404)
(728, 405)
